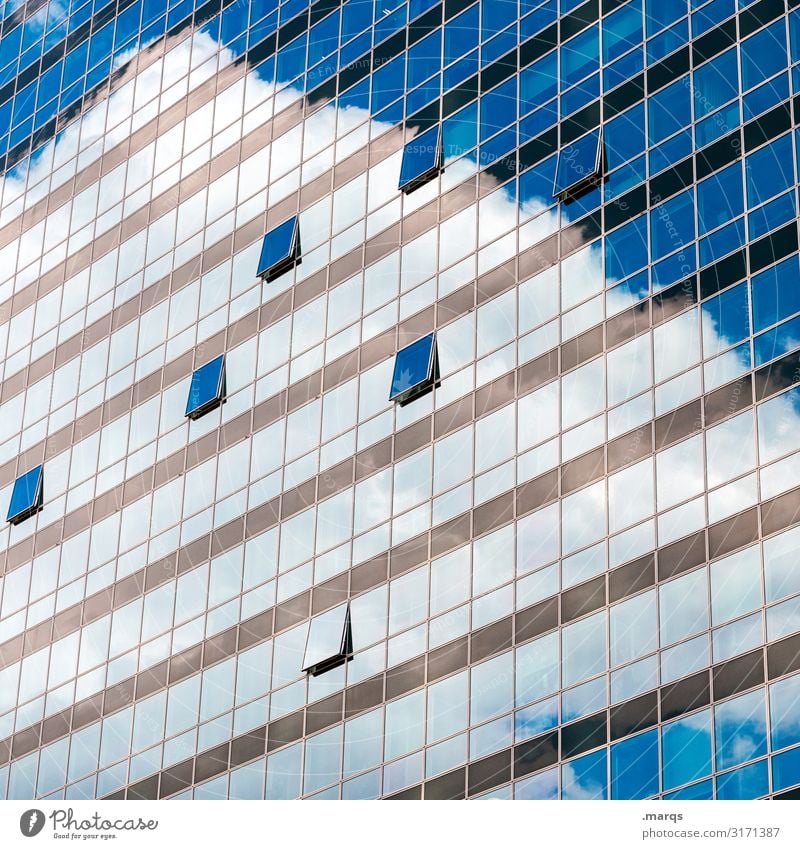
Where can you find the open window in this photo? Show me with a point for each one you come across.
(330, 640)
(207, 390)
(27, 497)
(580, 166)
(416, 370)
(422, 159)
(280, 250)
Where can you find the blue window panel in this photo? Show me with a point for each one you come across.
(425, 59)
(499, 46)
(623, 69)
(584, 202)
(542, 17)
(499, 146)
(740, 730)
(775, 294)
(695, 792)
(27, 496)
(630, 175)
(356, 17)
(292, 59)
(280, 250)
(749, 782)
(207, 389)
(624, 136)
(784, 696)
(626, 250)
(711, 15)
(578, 163)
(460, 70)
(727, 320)
(786, 770)
(578, 96)
(498, 108)
(674, 268)
(580, 56)
(460, 132)
(770, 171)
(536, 184)
(662, 13)
(669, 110)
(585, 778)
(329, 642)
(772, 215)
(422, 159)
(424, 94)
(538, 82)
(672, 224)
(766, 96)
(686, 749)
(722, 242)
(461, 34)
(718, 124)
(537, 122)
(634, 767)
(323, 39)
(668, 41)
(622, 30)
(415, 370)
(777, 342)
(670, 152)
(715, 83)
(629, 292)
(496, 16)
(720, 198)
(763, 55)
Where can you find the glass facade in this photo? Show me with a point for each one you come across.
(502, 300)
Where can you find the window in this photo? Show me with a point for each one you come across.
(27, 496)
(579, 165)
(330, 641)
(280, 251)
(416, 370)
(207, 390)
(422, 160)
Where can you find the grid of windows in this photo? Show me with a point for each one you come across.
(514, 582)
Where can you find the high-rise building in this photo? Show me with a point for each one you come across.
(399, 399)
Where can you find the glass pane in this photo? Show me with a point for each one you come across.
(686, 749)
(421, 159)
(413, 367)
(740, 729)
(577, 162)
(26, 496)
(280, 248)
(327, 639)
(634, 767)
(206, 389)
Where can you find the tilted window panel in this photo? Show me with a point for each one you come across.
(27, 497)
(280, 250)
(207, 389)
(329, 642)
(579, 165)
(416, 370)
(422, 159)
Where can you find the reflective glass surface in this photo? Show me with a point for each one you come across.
(578, 163)
(414, 369)
(26, 496)
(207, 388)
(280, 250)
(422, 157)
(329, 641)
